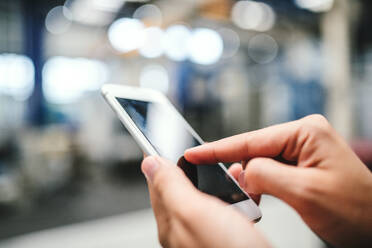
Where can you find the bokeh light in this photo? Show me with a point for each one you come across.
(58, 20)
(106, 5)
(231, 42)
(149, 14)
(205, 46)
(66, 79)
(253, 15)
(315, 5)
(155, 77)
(262, 48)
(17, 74)
(126, 34)
(175, 42)
(94, 12)
(153, 43)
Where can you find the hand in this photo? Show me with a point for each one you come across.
(330, 188)
(187, 217)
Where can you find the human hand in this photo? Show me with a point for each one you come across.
(235, 170)
(330, 188)
(186, 217)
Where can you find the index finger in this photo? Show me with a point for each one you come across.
(268, 142)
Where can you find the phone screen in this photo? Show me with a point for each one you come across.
(166, 132)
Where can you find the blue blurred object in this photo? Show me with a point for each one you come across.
(33, 19)
(307, 98)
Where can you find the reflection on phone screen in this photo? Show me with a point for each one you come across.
(166, 132)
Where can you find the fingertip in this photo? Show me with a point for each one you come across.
(236, 166)
(149, 166)
(192, 154)
(188, 153)
(235, 170)
(146, 160)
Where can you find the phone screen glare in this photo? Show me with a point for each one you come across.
(166, 132)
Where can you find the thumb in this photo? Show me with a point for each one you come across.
(268, 176)
(166, 181)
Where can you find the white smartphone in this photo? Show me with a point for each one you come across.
(159, 129)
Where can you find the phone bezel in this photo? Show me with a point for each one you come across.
(112, 91)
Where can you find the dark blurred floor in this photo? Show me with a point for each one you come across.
(118, 191)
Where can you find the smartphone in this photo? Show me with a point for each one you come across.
(159, 129)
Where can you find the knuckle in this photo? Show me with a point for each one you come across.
(316, 118)
(316, 125)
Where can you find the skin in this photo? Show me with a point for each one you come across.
(305, 163)
(187, 217)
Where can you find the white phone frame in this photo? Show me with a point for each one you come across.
(112, 91)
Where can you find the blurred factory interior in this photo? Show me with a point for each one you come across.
(69, 171)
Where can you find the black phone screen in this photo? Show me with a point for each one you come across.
(166, 132)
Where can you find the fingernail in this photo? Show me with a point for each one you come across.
(241, 179)
(149, 167)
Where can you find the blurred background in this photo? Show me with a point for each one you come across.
(70, 172)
